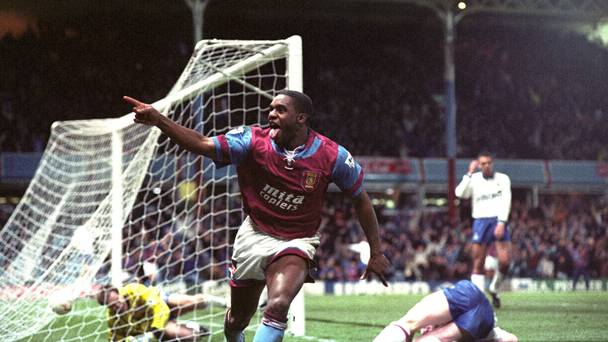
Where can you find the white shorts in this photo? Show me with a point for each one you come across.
(255, 250)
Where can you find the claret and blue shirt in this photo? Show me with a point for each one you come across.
(283, 193)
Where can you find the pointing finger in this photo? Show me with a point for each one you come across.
(382, 279)
(132, 101)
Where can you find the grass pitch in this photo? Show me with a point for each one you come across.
(571, 316)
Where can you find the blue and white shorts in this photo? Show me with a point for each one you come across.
(483, 231)
(470, 309)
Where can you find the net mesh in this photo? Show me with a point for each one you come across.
(178, 212)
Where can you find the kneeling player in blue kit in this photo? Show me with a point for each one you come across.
(457, 313)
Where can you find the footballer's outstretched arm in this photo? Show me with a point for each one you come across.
(378, 263)
(185, 137)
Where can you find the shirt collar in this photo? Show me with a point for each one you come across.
(300, 149)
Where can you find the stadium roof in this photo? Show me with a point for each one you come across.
(588, 9)
(547, 14)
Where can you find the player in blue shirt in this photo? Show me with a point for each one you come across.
(457, 313)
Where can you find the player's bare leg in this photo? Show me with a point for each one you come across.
(184, 303)
(284, 279)
(432, 310)
(478, 275)
(447, 333)
(503, 253)
(243, 305)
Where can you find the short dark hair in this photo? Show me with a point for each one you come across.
(104, 292)
(301, 101)
(485, 153)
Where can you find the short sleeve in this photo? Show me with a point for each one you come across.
(160, 311)
(232, 147)
(347, 173)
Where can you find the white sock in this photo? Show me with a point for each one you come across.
(479, 280)
(393, 333)
(144, 337)
(193, 325)
(496, 281)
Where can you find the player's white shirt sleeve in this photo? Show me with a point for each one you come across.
(505, 206)
(464, 189)
(490, 197)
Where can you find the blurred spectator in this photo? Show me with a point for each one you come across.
(580, 254)
(546, 267)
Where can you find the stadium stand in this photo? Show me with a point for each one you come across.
(515, 99)
(546, 240)
(520, 105)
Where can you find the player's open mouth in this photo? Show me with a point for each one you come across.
(274, 130)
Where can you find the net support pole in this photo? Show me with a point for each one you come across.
(297, 326)
(295, 79)
(117, 209)
(445, 12)
(450, 110)
(197, 7)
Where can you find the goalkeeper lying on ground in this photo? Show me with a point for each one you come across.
(135, 310)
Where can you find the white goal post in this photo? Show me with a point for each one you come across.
(113, 201)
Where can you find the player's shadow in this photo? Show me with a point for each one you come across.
(350, 323)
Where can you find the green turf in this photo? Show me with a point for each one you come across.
(572, 316)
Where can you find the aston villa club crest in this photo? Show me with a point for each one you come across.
(311, 180)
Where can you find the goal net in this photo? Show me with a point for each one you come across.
(114, 202)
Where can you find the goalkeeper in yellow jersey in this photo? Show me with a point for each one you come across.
(139, 310)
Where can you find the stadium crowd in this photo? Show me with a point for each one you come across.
(64, 72)
(564, 235)
(520, 93)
